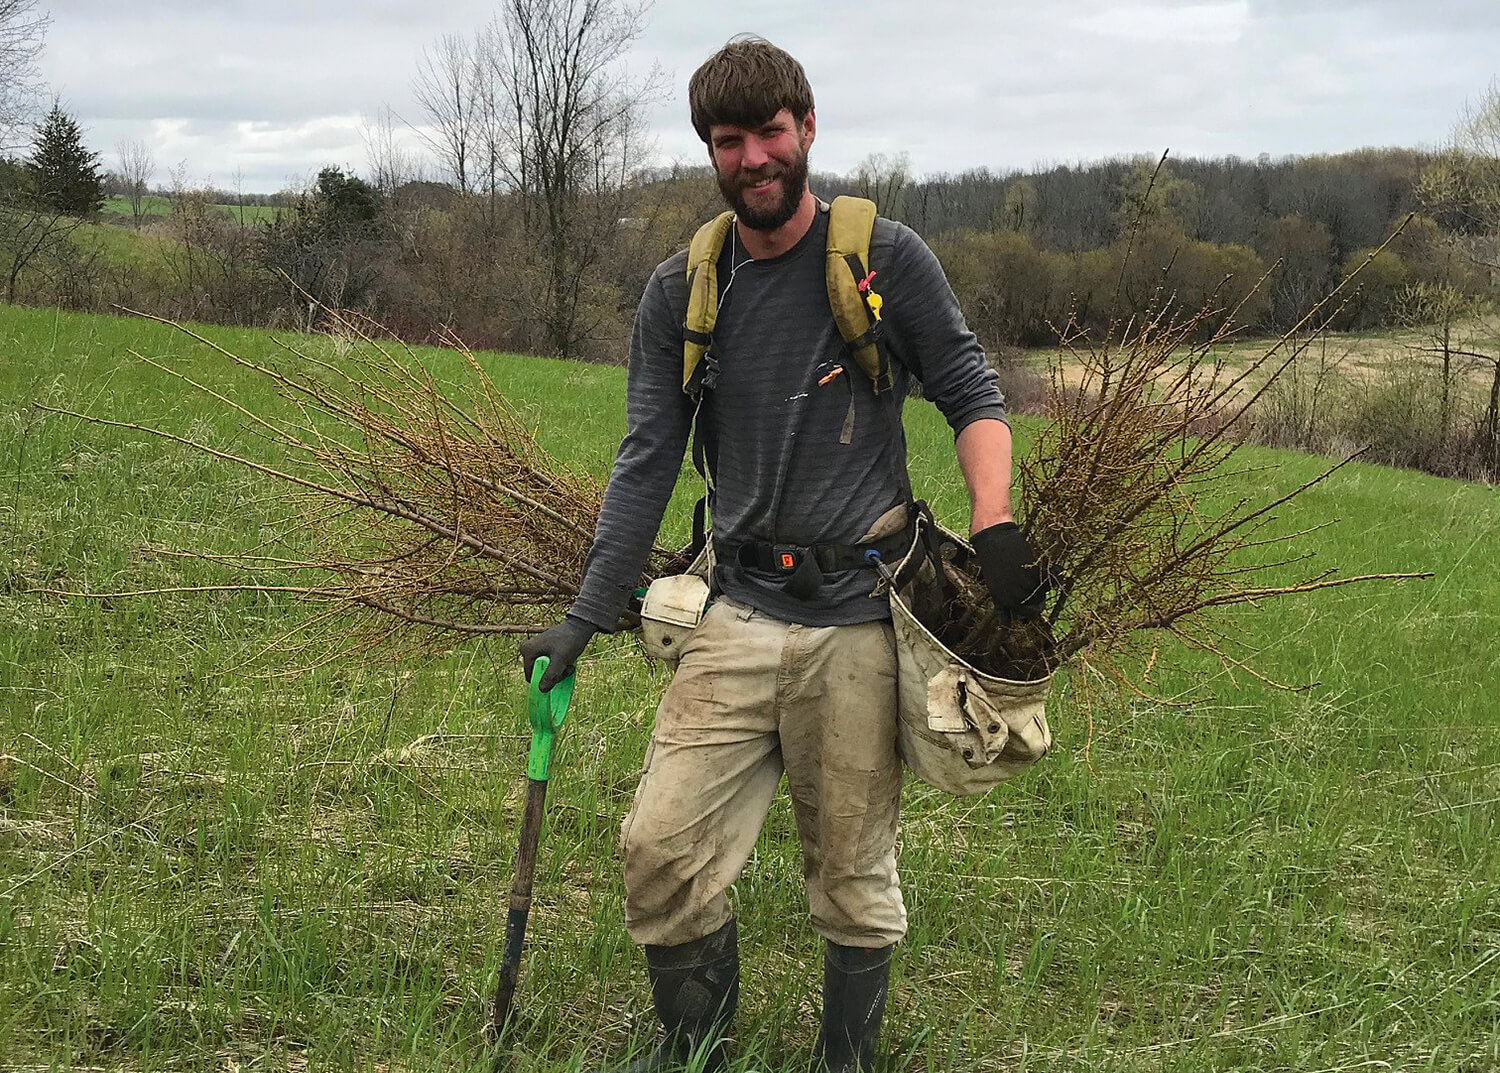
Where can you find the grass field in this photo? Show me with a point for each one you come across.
(154, 205)
(122, 247)
(207, 868)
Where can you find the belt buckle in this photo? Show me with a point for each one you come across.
(785, 558)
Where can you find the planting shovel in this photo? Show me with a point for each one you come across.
(547, 712)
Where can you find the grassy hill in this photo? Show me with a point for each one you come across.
(155, 205)
(205, 864)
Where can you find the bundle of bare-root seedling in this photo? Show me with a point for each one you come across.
(1128, 500)
(435, 515)
(425, 511)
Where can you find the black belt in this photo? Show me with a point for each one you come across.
(828, 558)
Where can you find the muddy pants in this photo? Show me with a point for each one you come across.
(753, 697)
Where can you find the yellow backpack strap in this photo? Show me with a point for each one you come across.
(851, 294)
(703, 292)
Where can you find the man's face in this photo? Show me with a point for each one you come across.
(762, 171)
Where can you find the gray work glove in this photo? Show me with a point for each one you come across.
(562, 645)
(1011, 571)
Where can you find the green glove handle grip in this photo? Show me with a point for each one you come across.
(547, 712)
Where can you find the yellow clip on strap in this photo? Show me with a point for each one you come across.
(850, 222)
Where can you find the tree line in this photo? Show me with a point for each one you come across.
(543, 220)
(1025, 252)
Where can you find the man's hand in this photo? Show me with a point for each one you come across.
(1011, 571)
(562, 645)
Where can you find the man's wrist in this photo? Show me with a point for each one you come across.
(588, 618)
(981, 519)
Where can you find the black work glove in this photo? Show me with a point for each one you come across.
(562, 645)
(1009, 565)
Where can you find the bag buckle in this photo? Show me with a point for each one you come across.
(786, 558)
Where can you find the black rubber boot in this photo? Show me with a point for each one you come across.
(855, 983)
(695, 988)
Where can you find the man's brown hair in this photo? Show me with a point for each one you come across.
(745, 84)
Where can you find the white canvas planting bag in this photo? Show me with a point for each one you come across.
(673, 607)
(960, 730)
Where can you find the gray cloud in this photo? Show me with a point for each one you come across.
(1465, 17)
(276, 88)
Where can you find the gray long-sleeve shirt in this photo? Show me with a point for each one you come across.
(772, 432)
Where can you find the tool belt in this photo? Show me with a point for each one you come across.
(803, 568)
(829, 558)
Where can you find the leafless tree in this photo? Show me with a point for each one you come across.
(1018, 207)
(495, 116)
(391, 164)
(1463, 184)
(573, 138)
(883, 179)
(33, 237)
(23, 32)
(137, 166)
(446, 88)
(1462, 188)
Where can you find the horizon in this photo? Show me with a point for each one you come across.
(645, 172)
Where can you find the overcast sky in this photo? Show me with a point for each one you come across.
(275, 89)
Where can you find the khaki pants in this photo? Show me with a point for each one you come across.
(753, 697)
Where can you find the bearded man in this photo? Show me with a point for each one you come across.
(780, 677)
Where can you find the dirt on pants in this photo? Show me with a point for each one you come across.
(754, 696)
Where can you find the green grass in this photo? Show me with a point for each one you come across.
(155, 205)
(121, 247)
(205, 869)
(151, 205)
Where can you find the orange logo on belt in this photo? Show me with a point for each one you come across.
(788, 560)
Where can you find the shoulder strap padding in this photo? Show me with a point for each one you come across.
(850, 222)
(703, 292)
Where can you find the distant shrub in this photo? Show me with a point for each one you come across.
(1396, 419)
(1025, 386)
(1377, 291)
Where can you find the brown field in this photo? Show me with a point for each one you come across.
(1359, 357)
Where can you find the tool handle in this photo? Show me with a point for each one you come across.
(547, 712)
(520, 908)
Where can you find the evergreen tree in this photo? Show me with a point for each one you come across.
(343, 206)
(326, 245)
(67, 175)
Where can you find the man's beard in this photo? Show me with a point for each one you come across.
(792, 180)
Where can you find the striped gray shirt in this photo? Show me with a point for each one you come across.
(772, 431)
